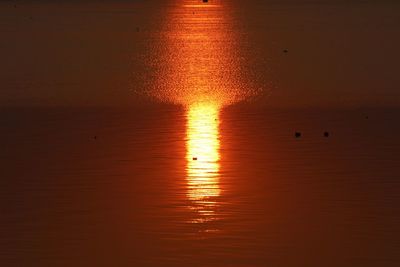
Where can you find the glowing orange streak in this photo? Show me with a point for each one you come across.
(203, 152)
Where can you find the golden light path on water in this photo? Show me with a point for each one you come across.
(200, 68)
(203, 157)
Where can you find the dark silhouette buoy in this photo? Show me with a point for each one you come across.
(285, 51)
(205, 1)
(297, 134)
(326, 134)
(194, 158)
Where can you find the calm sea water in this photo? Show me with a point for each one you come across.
(116, 188)
(202, 168)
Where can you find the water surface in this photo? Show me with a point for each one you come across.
(163, 134)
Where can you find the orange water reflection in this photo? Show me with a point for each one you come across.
(200, 69)
(201, 61)
(204, 76)
(202, 154)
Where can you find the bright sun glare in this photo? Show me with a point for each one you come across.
(203, 151)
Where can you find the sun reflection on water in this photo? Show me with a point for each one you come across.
(201, 60)
(200, 67)
(203, 155)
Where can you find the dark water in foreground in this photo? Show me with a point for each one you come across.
(96, 187)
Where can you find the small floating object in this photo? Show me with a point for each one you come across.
(95, 137)
(285, 51)
(205, 1)
(326, 134)
(297, 134)
(194, 158)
